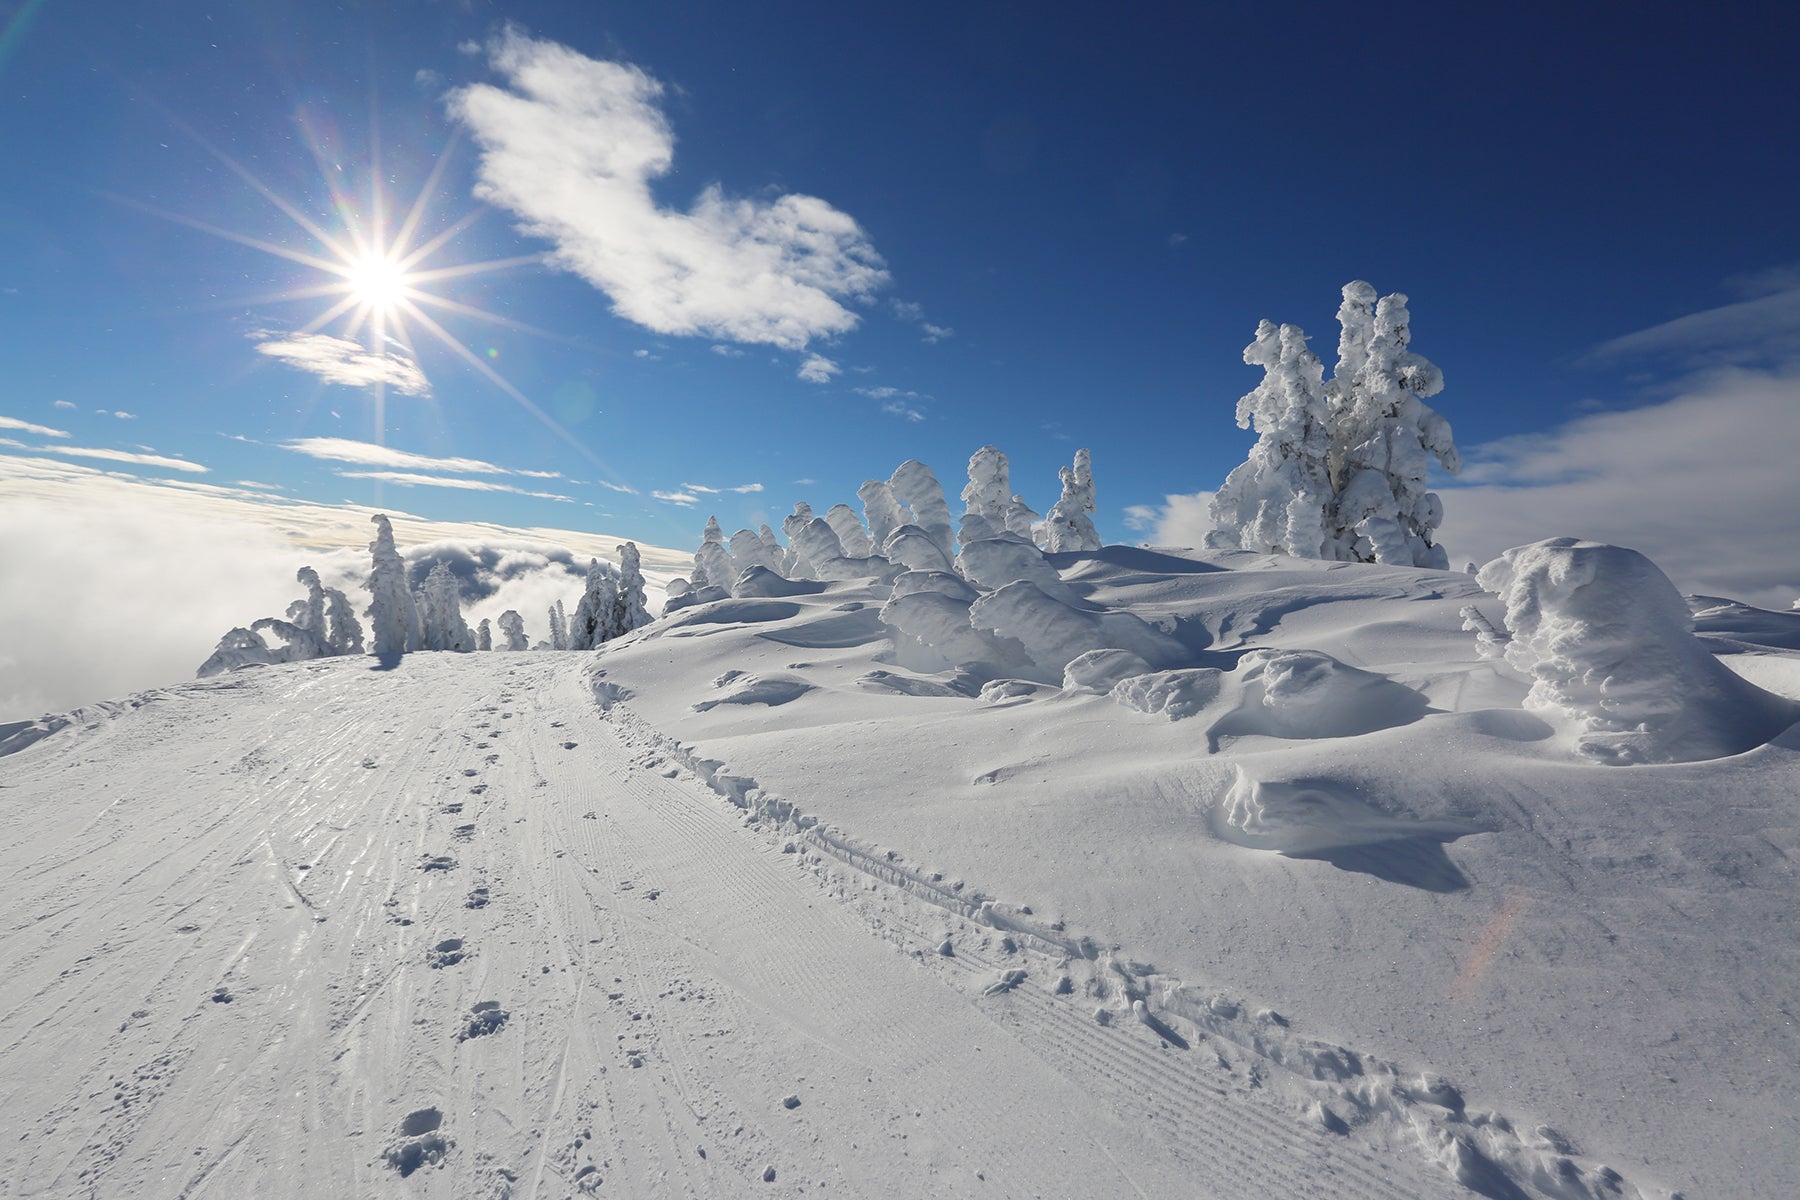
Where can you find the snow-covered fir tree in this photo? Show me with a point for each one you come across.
(915, 485)
(512, 627)
(393, 618)
(484, 635)
(559, 627)
(1277, 500)
(441, 623)
(881, 511)
(634, 609)
(1069, 525)
(346, 632)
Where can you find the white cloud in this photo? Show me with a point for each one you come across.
(908, 310)
(1181, 520)
(1758, 331)
(128, 456)
(879, 393)
(64, 404)
(1692, 482)
(616, 487)
(336, 360)
(83, 547)
(28, 427)
(368, 454)
(1176, 239)
(571, 145)
(409, 479)
(6, 441)
(685, 499)
(741, 489)
(540, 474)
(646, 356)
(728, 352)
(125, 416)
(936, 333)
(818, 369)
(258, 486)
(900, 408)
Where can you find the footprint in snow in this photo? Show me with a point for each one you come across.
(420, 1142)
(437, 862)
(470, 772)
(222, 995)
(463, 833)
(485, 1017)
(570, 745)
(446, 953)
(477, 898)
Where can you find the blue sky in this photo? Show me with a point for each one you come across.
(1039, 226)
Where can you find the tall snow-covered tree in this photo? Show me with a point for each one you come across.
(1383, 435)
(633, 606)
(484, 635)
(986, 497)
(346, 635)
(393, 618)
(851, 535)
(1277, 500)
(309, 614)
(1069, 527)
(441, 623)
(512, 625)
(596, 617)
(915, 485)
(880, 510)
(748, 549)
(1339, 468)
(559, 627)
(712, 561)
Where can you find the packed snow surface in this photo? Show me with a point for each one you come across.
(1212, 876)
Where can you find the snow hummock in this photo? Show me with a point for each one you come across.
(1608, 645)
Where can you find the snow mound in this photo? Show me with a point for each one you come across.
(941, 582)
(1608, 644)
(915, 549)
(992, 563)
(1099, 670)
(1174, 694)
(1309, 694)
(753, 689)
(760, 581)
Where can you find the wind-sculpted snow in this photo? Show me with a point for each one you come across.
(1099, 670)
(1608, 644)
(761, 581)
(852, 537)
(915, 549)
(992, 563)
(942, 582)
(1306, 694)
(916, 486)
(1177, 694)
(1054, 633)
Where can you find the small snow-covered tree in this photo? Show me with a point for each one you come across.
(1020, 519)
(1277, 500)
(346, 635)
(597, 615)
(393, 618)
(852, 537)
(1069, 527)
(239, 647)
(634, 609)
(309, 614)
(512, 625)
(484, 635)
(986, 496)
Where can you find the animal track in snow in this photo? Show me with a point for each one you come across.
(437, 862)
(477, 898)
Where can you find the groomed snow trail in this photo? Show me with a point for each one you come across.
(447, 930)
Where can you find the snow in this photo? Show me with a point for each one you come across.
(1213, 875)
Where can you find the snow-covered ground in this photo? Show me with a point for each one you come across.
(742, 905)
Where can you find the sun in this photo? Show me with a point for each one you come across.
(379, 282)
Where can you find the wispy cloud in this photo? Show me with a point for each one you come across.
(936, 333)
(128, 456)
(571, 144)
(741, 489)
(28, 427)
(125, 416)
(646, 356)
(1761, 330)
(727, 351)
(900, 408)
(818, 369)
(411, 479)
(368, 454)
(684, 499)
(336, 360)
(64, 404)
(6, 441)
(616, 487)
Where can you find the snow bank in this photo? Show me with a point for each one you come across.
(1054, 634)
(1308, 694)
(1609, 646)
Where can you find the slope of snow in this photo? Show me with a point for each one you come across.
(740, 904)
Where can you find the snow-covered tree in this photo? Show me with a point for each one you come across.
(852, 537)
(393, 618)
(1383, 435)
(1069, 527)
(712, 562)
(748, 549)
(559, 627)
(346, 636)
(484, 635)
(512, 625)
(1277, 500)
(596, 617)
(239, 647)
(986, 496)
(881, 511)
(1021, 519)
(915, 485)
(441, 623)
(634, 610)
(309, 614)
(1339, 468)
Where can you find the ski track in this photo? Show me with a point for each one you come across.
(476, 935)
